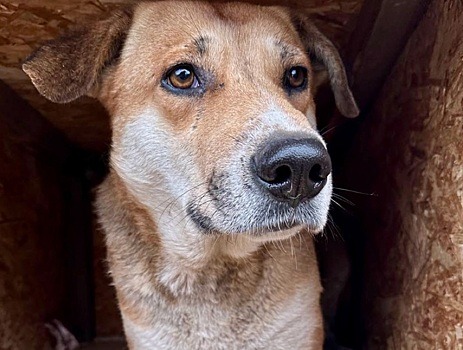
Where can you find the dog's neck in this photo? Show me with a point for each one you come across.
(176, 257)
(210, 278)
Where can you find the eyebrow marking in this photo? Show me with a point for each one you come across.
(201, 44)
(287, 52)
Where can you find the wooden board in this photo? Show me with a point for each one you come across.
(409, 151)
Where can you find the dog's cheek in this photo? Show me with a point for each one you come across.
(151, 159)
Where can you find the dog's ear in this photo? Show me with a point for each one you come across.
(323, 52)
(71, 66)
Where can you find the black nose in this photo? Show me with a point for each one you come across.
(293, 169)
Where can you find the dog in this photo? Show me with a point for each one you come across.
(218, 177)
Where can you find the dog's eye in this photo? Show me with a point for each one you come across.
(296, 77)
(182, 77)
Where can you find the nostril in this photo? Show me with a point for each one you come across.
(282, 175)
(316, 174)
(276, 176)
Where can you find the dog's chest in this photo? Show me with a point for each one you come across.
(259, 323)
(280, 310)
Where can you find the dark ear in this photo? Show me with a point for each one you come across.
(69, 67)
(323, 51)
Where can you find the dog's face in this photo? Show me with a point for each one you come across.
(212, 111)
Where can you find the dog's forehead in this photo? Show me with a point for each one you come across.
(236, 45)
(171, 23)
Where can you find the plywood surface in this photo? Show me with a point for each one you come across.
(410, 152)
(26, 23)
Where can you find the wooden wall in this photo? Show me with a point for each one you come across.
(45, 229)
(32, 275)
(409, 152)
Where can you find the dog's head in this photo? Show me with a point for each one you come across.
(212, 110)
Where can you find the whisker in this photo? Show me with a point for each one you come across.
(333, 228)
(299, 235)
(172, 202)
(276, 246)
(282, 246)
(356, 192)
(327, 128)
(268, 252)
(323, 133)
(185, 215)
(182, 194)
(344, 199)
(339, 205)
(293, 253)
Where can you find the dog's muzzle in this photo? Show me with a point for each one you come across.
(292, 169)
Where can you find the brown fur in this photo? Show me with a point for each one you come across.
(67, 68)
(179, 287)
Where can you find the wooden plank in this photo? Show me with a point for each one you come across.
(382, 30)
(410, 152)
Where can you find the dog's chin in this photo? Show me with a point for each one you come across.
(275, 235)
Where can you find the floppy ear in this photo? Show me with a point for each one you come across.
(70, 66)
(322, 50)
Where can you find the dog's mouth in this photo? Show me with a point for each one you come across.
(281, 221)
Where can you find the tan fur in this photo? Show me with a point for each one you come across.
(180, 286)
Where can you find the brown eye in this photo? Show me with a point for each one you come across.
(182, 77)
(296, 77)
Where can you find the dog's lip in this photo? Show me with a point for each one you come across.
(283, 229)
(278, 227)
(206, 224)
(278, 235)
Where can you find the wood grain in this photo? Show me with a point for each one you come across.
(409, 151)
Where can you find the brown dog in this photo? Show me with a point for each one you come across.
(218, 176)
